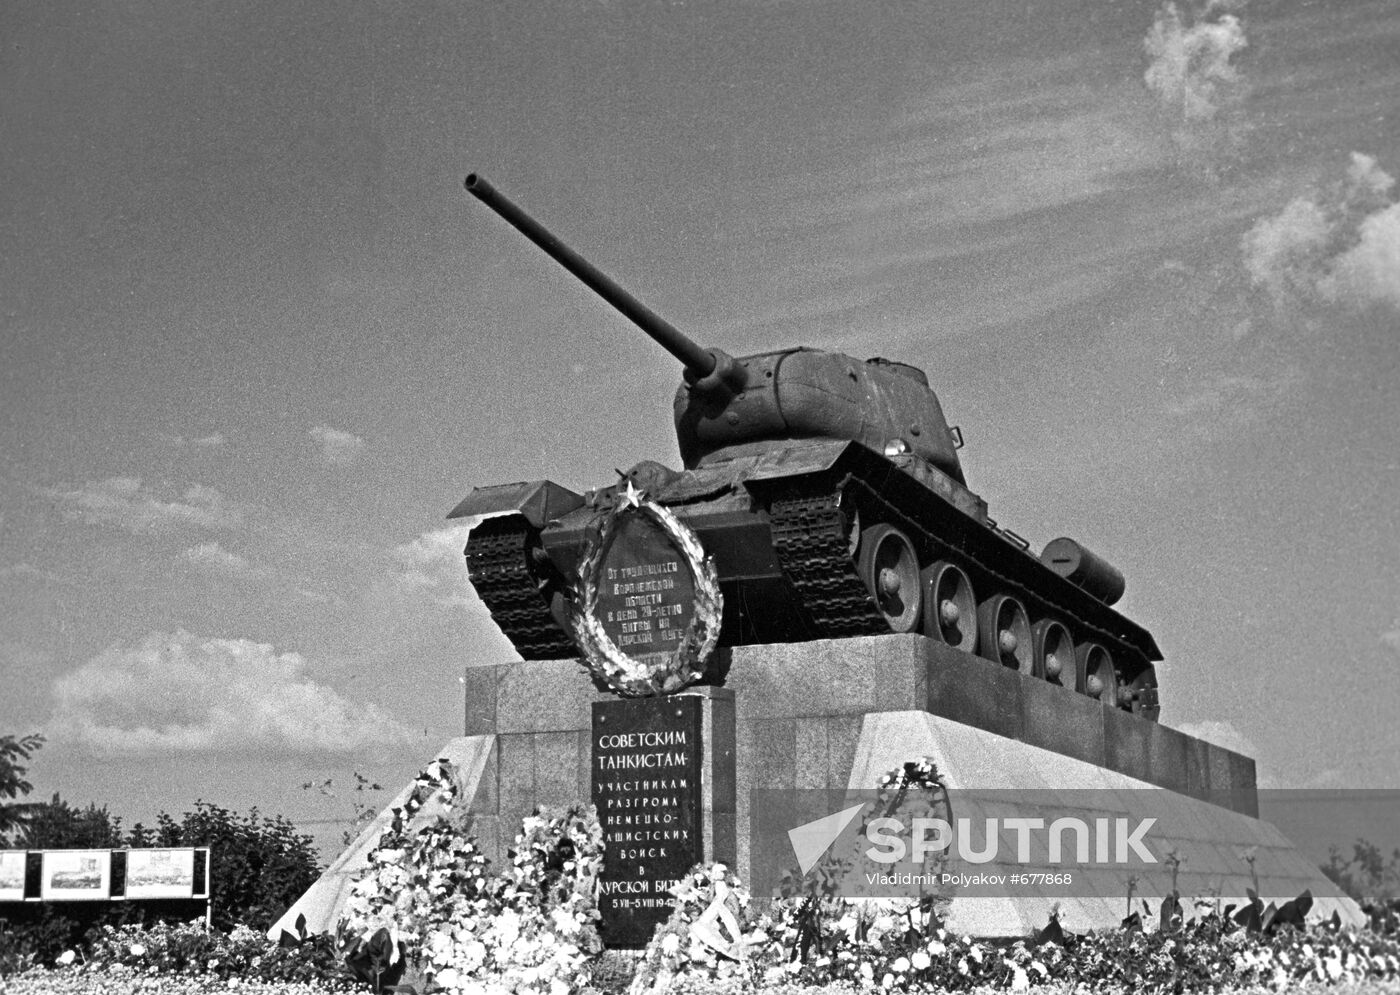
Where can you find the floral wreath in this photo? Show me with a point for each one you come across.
(601, 655)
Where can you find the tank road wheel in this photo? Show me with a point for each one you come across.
(1138, 694)
(890, 569)
(1053, 653)
(1096, 674)
(950, 607)
(1005, 632)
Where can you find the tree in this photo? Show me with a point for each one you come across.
(258, 866)
(1367, 875)
(56, 825)
(13, 755)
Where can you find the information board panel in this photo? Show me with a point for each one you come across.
(76, 875)
(160, 873)
(12, 875)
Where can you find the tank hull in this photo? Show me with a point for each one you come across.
(784, 528)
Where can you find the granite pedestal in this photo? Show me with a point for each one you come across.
(835, 714)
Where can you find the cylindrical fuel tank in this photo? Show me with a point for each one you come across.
(1093, 573)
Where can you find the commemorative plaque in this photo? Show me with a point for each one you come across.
(649, 608)
(647, 759)
(646, 595)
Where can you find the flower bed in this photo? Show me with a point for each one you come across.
(430, 912)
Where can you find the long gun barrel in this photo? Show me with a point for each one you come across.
(708, 367)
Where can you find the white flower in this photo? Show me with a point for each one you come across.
(1019, 981)
(920, 960)
(670, 943)
(887, 981)
(564, 922)
(901, 964)
(67, 957)
(473, 954)
(137, 950)
(937, 948)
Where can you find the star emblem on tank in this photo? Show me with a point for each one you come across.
(629, 497)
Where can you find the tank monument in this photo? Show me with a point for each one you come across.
(814, 600)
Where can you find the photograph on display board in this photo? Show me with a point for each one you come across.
(12, 875)
(159, 873)
(76, 874)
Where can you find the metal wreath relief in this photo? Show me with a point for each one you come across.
(683, 665)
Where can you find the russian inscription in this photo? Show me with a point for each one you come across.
(646, 787)
(646, 595)
(649, 606)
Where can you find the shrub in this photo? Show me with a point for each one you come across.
(191, 948)
(57, 825)
(38, 940)
(258, 866)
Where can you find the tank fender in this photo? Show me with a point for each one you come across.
(540, 501)
(794, 460)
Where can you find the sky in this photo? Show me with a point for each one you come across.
(256, 341)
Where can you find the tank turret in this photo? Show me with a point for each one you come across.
(829, 494)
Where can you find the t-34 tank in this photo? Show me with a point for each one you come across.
(828, 492)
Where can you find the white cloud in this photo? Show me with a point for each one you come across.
(338, 448)
(123, 502)
(432, 570)
(179, 693)
(1369, 272)
(1234, 398)
(1336, 246)
(1221, 734)
(1192, 76)
(1191, 70)
(1281, 252)
(1391, 639)
(212, 557)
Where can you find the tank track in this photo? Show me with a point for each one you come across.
(498, 556)
(810, 539)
